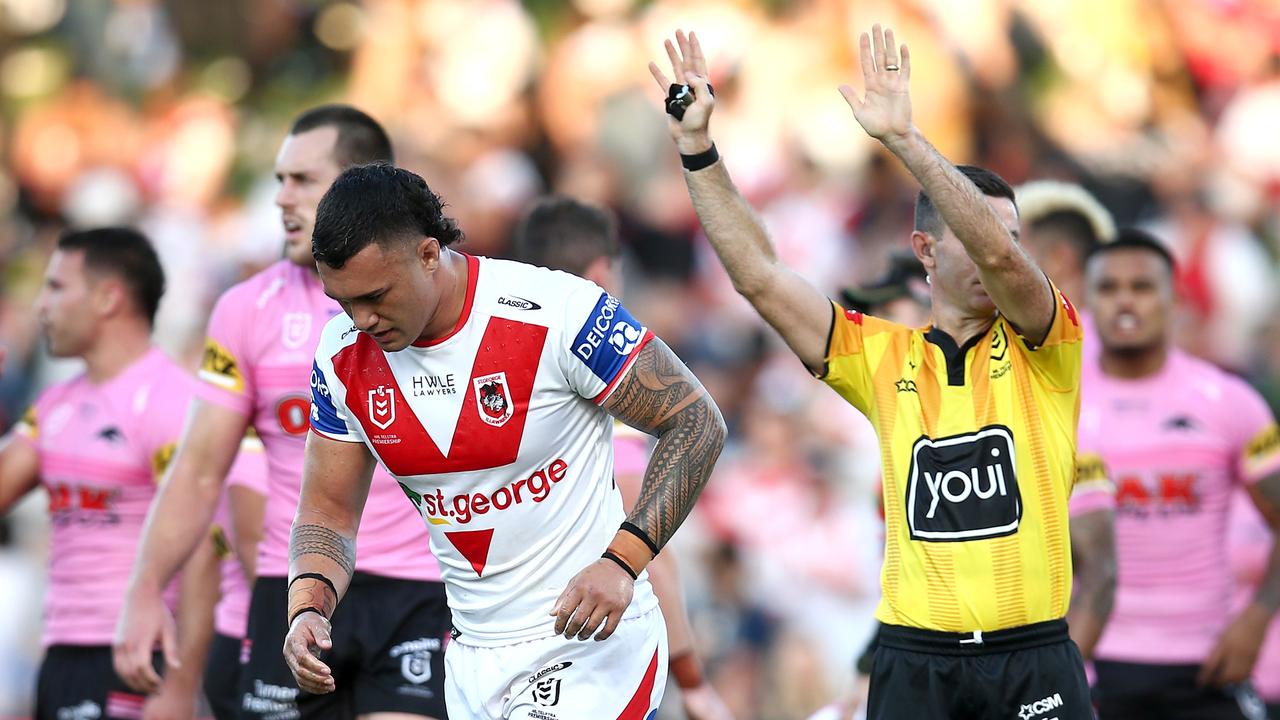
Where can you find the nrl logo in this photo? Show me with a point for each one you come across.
(296, 329)
(493, 399)
(382, 406)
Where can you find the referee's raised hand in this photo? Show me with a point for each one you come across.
(885, 109)
(688, 67)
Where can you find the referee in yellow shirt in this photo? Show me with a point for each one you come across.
(976, 415)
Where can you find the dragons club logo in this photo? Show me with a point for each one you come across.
(493, 399)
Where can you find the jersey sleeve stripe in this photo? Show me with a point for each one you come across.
(327, 436)
(622, 372)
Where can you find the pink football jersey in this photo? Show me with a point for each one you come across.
(257, 361)
(1177, 446)
(102, 448)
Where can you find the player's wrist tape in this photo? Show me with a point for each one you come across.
(640, 533)
(622, 564)
(303, 611)
(634, 552)
(702, 160)
(687, 669)
(315, 576)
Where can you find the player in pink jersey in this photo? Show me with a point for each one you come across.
(1179, 437)
(98, 444)
(561, 233)
(236, 534)
(1249, 541)
(257, 372)
(486, 388)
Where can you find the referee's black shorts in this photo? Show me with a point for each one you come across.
(1033, 672)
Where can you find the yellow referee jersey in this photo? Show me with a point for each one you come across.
(977, 445)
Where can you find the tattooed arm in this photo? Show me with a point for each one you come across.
(1093, 555)
(661, 397)
(322, 551)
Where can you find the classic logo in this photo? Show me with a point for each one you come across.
(964, 487)
(382, 406)
(493, 399)
(547, 692)
(296, 329)
(518, 303)
(550, 669)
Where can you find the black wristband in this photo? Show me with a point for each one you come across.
(316, 576)
(704, 159)
(635, 530)
(609, 555)
(304, 611)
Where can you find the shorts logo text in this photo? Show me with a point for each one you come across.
(1040, 707)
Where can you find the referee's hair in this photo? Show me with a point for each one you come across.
(361, 140)
(127, 255)
(1134, 239)
(928, 220)
(561, 233)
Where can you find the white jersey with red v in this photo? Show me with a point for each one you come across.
(496, 435)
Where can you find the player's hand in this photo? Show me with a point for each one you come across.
(703, 703)
(595, 598)
(1236, 652)
(144, 621)
(688, 67)
(885, 110)
(171, 703)
(309, 635)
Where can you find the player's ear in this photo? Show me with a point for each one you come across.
(428, 253)
(109, 296)
(922, 247)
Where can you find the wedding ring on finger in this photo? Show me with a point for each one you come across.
(891, 68)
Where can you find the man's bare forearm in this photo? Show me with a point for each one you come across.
(659, 395)
(735, 232)
(1093, 555)
(197, 598)
(961, 204)
(178, 520)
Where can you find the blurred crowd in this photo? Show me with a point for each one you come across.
(165, 114)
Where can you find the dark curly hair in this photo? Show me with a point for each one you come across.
(377, 203)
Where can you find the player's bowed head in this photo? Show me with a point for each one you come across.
(381, 245)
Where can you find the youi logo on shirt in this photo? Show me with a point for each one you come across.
(608, 337)
(964, 487)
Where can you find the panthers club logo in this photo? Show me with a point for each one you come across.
(493, 399)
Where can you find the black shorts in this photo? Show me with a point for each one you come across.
(1032, 672)
(222, 677)
(389, 637)
(79, 682)
(1135, 691)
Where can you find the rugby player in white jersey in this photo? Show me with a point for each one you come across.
(486, 388)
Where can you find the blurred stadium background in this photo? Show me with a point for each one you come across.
(167, 114)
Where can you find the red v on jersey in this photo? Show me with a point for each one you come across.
(486, 437)
(473, 545)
